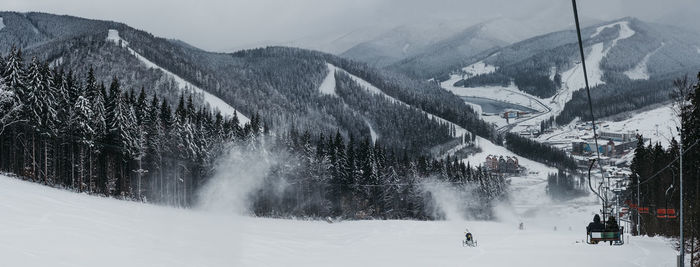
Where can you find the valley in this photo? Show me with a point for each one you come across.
(119, 147)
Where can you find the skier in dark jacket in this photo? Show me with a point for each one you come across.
(612, 224)
(596, 225)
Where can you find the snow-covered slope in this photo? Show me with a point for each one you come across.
(2, 24)
(459, 130)
(42, 226)
(479, 68)
(489, 148)
(659, 124)
(572, 79)
(640, 71)
(328, 85)
(214, 102)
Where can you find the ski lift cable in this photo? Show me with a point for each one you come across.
(669, 164)
(664, 168)
(590, 105)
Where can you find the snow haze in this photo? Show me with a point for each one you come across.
(229, 25)
(239, 172)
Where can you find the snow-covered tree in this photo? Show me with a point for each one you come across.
(10, 107)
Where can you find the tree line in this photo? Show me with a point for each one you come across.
(657, 172)
(78, 133)
(536, 151)
(354, 178)
(565, 185)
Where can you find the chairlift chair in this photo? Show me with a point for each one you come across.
(615, 237)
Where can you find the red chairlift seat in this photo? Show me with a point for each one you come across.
(643, 210)
(661, 213)
(671, 213)
(666, 213)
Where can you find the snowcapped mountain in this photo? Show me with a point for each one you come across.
(623, 57)
(284, 85)
(628, 46)
(403, 41)
(428, 49)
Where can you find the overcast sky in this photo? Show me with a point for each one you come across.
(222, 25)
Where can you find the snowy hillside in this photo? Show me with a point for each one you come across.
(625, 47)
(641, 71)
(573, 78)
(509, 94)
(212, 100)
(328, 85)
(658, 124)
(53, 227)
(327, 89)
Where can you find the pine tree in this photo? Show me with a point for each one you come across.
(14, 72)
(83, 134)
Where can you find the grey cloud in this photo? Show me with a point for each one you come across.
(221, 25)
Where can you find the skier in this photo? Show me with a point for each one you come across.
(521, 226)
(469, 239)
(612, 224)
(596, 225)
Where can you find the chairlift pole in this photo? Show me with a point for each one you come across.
(638, 205)
(682, 256)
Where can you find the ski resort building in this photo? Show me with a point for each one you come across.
(609, 147)
(500, 164)
(620, 137)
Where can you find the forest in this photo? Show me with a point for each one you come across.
(78, 133)
(564, 185)
(656, 176)
(279, 83)
(539, 152)
(621, 95)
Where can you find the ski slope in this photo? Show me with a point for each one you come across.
(212, 100)
(572, 80)
(659, 124)
(327, 87)
(459, 130)
(640, 71)
(42, 226)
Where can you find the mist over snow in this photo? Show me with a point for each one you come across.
(239, 173)
(450, 203)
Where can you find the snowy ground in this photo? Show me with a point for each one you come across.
(214, 101)
(43, 226)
